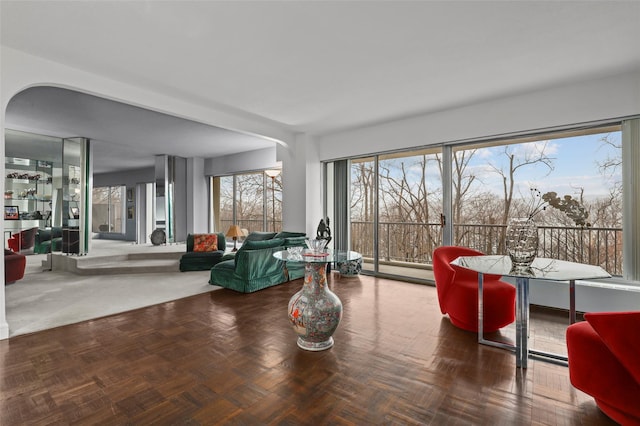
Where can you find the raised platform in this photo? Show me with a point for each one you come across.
(111, 258)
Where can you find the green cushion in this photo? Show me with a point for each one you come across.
(43, 235)
(203, 255)
(225, 264)
(294, 241)
(260, 236)
(200, 261)
(228, 256)
(258, 245)
(287, 234)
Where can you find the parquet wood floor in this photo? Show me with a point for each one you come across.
(230, 358)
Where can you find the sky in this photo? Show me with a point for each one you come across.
(575, 165)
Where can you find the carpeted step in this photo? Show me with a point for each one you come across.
(143, 266)
(130, 263)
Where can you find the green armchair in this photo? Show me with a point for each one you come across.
(194, 260)
(48, 239)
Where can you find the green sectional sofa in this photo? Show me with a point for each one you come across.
(202, 260)
(47, 239)
(253, 266)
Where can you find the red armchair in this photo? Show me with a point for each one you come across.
(22, 240)
(14, 266)
(604, 362)
(458, 292)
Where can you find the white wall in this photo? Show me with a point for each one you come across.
(129, 178)
(240, 163)
(181, 209)
(302, 183)
(197, 197)
(580, 102)
(590, 296)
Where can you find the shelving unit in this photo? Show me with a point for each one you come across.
(48, 192)
(71, 190)
(29, 187)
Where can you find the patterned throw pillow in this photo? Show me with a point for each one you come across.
(205, 242)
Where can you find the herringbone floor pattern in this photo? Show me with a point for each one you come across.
(229, 358)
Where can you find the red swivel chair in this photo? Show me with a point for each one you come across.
(458, 292)
(14, 266)
(604, 362)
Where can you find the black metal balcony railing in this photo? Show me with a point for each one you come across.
(415, 242)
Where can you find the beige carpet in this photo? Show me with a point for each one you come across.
(43, 300)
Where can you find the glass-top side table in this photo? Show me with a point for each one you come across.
(326, 256)
(541, 268)
(315, 311)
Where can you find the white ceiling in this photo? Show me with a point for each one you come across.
(123, 136)
(323, 66)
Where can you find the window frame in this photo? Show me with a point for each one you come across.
(630, 130)
(264, 193)
(109, 189)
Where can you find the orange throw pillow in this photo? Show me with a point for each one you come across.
(205, 242)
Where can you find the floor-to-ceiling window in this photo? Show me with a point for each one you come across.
(496, 180)
(405, 204)
(409, 208)
(396, 204)
(225, 201)
(252, 201)
(363, 209)
(108, 209)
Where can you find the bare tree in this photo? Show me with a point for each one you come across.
(462, 181)
(362, 206)
(406, 207)
(362, 191)
(611, 164)
(464, 209)
(480, 227)
(516, 162)
(608, 212)
(249, 200)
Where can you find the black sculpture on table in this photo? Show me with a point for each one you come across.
(324, 233)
